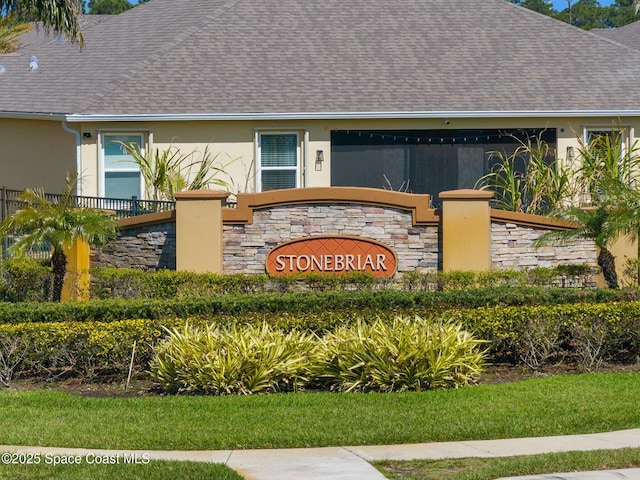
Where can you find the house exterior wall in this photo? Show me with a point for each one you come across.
(35, 153)
(39, 152)
(234, 142)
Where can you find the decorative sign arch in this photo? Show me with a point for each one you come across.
(332, 254)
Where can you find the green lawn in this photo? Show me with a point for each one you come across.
(491, 468)
(546, 406)
(155, 470)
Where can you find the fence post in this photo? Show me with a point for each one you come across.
(134, 206)
(3, 212)
(199, 243)
(466, 230)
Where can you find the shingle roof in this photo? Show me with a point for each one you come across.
(627, 35)
(38, 36)
(282, 56)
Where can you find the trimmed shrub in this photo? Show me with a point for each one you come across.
(586, 333)
(351, 302)
(166, 284)
(25, 280)
(408, 354)
(235, 360)
(80, 349)
(108, 283)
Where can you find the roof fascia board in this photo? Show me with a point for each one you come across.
(60, 117)
(344, 115)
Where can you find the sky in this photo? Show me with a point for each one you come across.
(562, 4)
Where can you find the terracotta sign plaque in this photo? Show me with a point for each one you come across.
(332, 255)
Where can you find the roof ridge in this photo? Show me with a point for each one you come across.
(603, 33)
(612, 41)
(168, 46)
(591, 32)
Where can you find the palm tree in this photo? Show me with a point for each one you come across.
(58, 223)
(61, 16)
(607, 179)
(602, 225)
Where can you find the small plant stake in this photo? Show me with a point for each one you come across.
(133, 353)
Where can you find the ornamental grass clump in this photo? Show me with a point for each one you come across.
(233, 360)
(407, 354)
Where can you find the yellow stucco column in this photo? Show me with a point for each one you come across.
(466, 230)
(199, 245)
(624, 248)
(77, 279)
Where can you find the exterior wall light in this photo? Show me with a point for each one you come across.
(571, 155)
(319, 160)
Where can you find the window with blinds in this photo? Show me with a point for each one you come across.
(121, 174)
(279, 165)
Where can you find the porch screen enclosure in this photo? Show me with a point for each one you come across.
(423, 161)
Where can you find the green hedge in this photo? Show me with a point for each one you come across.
(302, 302)
(585, 335)
(165, 284)
(87, 350)
(25, 279)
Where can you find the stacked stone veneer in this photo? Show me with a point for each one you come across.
(246, 246)
(148, 248)
(512, 247)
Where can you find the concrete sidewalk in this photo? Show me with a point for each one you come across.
(352, 463)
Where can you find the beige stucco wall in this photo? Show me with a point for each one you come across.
(199, 244)
(35, 153)
(466, 230)
(623, 249)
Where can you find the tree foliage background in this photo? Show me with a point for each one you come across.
(586, 14)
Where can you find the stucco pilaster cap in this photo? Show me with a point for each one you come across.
(201, 195)
(466, 194)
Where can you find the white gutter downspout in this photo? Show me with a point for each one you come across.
(78, 155)
(305, 171)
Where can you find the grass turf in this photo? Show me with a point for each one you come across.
(547, 406)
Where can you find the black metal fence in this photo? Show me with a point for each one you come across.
(10, 202)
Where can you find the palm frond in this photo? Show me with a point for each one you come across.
(60, 16)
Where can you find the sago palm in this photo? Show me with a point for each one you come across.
(58, 223)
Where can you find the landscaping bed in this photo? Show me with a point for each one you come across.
(142, 385)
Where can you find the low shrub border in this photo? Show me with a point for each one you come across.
(587, 334)
(24, 279)
(87, 349)
(533, 336)
(296, 303)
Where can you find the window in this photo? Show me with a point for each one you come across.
(606, 141)
(122, 177)
(279, 161)
(606, 156)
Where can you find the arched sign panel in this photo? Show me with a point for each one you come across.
(332, 254)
